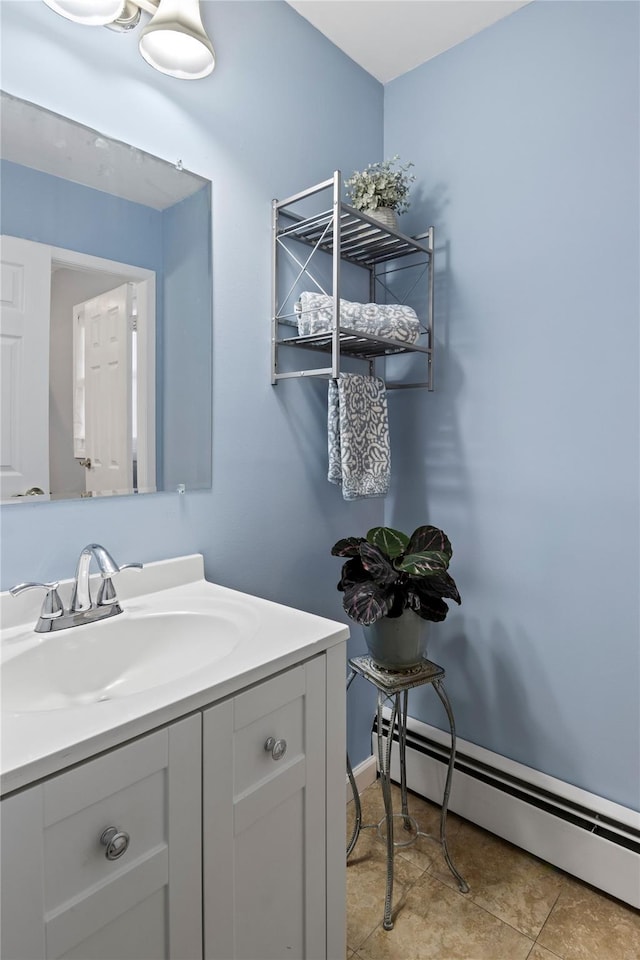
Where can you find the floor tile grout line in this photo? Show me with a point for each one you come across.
(469, 899)
(506, 923)
(428, 870)
(405, 893)
(366, 940)
(357, 955)
(540, 932)
(556, 956)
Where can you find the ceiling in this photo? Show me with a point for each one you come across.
(390, 37)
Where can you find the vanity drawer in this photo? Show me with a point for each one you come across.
(124, 789)
(273, 711)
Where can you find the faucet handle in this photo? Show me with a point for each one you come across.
(107, 593)
(51, 606)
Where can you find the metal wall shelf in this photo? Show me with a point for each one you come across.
(344, 234)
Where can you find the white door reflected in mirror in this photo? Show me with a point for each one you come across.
(103, 403)
(78, 389)
(25, 290)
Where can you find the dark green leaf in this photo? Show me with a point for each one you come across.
(428, 538)
(431, 608)
(392, 542)
(440, 585)
(377, 565)
(348, 547)
(423, 564)
(352, 572)
(366, 602)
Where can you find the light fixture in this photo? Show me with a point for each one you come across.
(174, 40)
(95, 14)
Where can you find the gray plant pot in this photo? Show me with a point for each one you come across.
(397, 643)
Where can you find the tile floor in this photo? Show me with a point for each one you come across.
(518, 907)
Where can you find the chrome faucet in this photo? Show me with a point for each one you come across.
(81, 597)
(53, 616)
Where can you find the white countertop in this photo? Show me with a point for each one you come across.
(38, 743)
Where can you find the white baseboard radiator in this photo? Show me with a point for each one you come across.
(587, 836)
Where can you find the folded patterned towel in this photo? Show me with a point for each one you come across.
(392, 321)
(359, 450)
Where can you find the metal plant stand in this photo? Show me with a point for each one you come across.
(394, 687)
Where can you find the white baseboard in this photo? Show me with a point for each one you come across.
(364, 774)
(587, 836)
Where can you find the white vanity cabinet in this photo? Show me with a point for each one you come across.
(235, 817)
(266, 753)
(61, 894)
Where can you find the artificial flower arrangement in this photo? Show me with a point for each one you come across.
(385, 184)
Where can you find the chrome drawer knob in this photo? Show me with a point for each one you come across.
(116, 841)
(277, 748)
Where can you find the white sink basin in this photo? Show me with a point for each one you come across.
(125, 655)
(182, 644)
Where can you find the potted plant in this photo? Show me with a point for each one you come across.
(393, 584)
(381, 189)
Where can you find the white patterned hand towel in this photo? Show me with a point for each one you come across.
(359, 450)
(392, 321)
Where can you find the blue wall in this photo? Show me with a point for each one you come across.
(525, 140)
(281, 111)
(47, 209)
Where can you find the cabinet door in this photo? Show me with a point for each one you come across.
(63, 898)
(265, 824)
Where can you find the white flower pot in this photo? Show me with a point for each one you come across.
(385, 215)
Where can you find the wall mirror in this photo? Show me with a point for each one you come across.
(106, 314)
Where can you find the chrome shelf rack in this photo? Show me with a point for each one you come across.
(345, 234)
